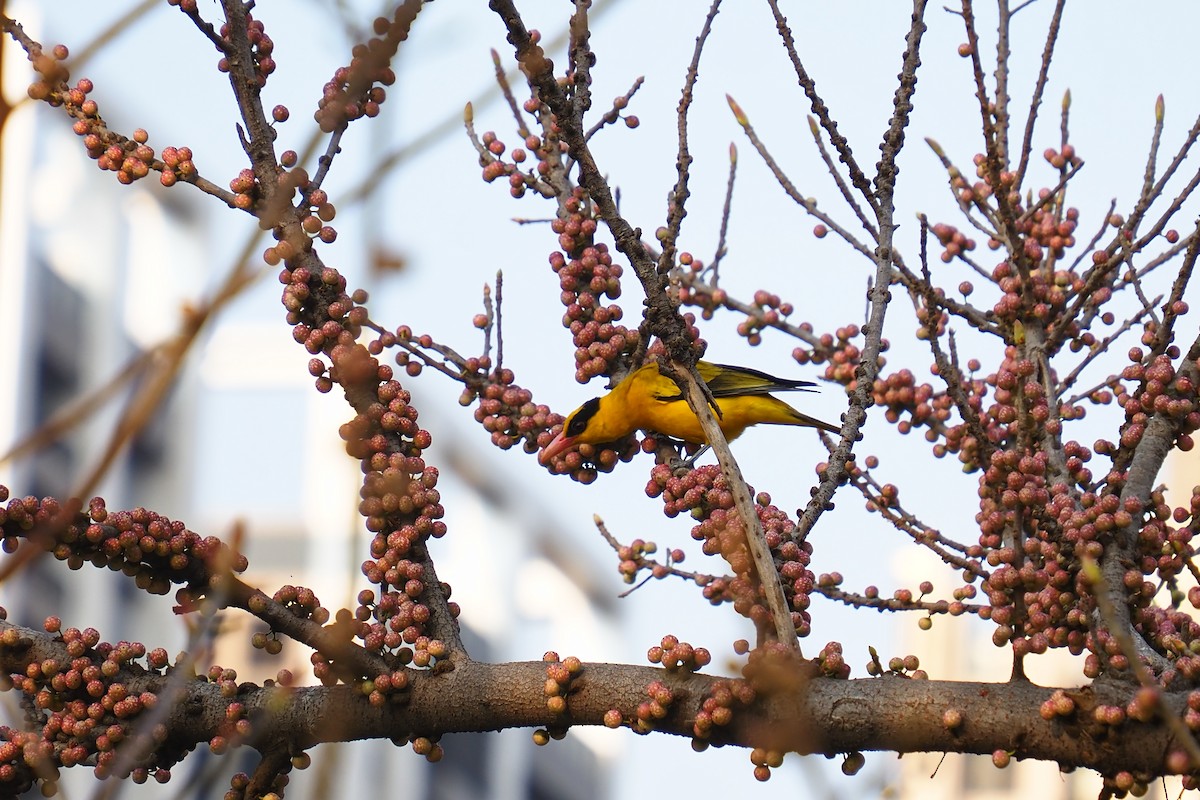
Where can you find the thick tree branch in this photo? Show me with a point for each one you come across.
(821, 715)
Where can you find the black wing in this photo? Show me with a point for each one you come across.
(728, 381)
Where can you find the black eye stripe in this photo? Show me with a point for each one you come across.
(579, 422)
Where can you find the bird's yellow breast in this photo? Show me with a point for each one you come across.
(676, 419)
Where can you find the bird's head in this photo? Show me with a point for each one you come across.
(581, 427)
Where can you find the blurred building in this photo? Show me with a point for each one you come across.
(960, 648)
(94, 275)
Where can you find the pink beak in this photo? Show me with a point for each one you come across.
(560, 444)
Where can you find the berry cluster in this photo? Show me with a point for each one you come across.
(1161, 390)
(404, 489)
(704, 493)
(673, 655)
(322, 315)
(89, 699)
(908, 404)
(954, 241)
(559, 675)
(633, 560)
(177, 163)
(1042, 295)
(130, 158)
(838, 352)
(397, 621)
(586, 461)
(427, 747)
(717, 709)
(236, 726)
(507, 411)
(491, 157)
(261, 48)
(245, 189)
(587, 274)
(385, 686)
(694, 291)
(769, 311)
(831, 661)
(148, 547)
(401, 504)
(655, 708)
(302, 602)
(352, 93)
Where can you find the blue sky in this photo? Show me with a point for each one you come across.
(456, 231)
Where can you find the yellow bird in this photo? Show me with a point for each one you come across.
(649, 400)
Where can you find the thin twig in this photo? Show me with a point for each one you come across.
(1069, 172)
(580, 58)
(839, 142)
(1039, 89)
(1094, 352)
(756, 540)
(890, 603)
(676, 206)
(808, 204)
(614, 113)
(884, 257)
(82, 408)
(499, 320)
(714, 267)
(1091, 245)
(509, 98)
(918, 531)
(948, 371)
(1001, 107)
(838, 180)
(1157, 261)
